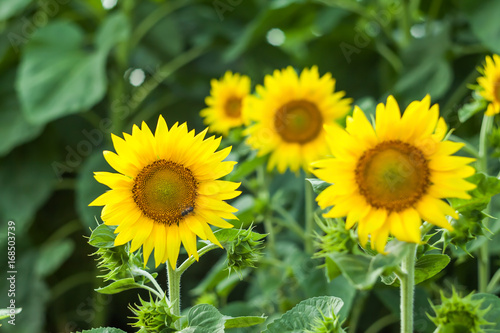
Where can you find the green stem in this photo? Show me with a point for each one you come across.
(406, 23)
(189, 261)
(160, 293)
(264, 195)
(357, 311)
(174, 289)
(483, 262)
(309, 217)
(407, 279)
(389, 55)
(288, 221)
(494, 281)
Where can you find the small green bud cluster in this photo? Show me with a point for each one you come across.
(326, 324)
(465, 230)
(245, 250)
(459, 314)
(336, 238)
(117, 262)
(154, 316)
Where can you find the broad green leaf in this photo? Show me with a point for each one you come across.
(204, 318)
(487, 186)
(493, 315)
(103, 330)
(14, 128)
(11, 8)
(426, 267)
(119, 286)
(302, 316)
(318, 184)
(482, 16)
(53, 255)
(234, 322)
(332, 270)
(429, 265)
(58, 76)
(103, 236)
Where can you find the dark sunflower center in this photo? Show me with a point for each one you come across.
(393, 175)
(233, 107)
(298, 121)
(165, 191)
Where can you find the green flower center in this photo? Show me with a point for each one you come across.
(165, 191)
(298, 121)
(233, 107)
(393, 175)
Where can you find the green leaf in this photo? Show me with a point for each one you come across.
(103, 237)
(53, 255)
(493, 315)
(302, 316)
(58, 76)
(332, 270)
(318, 184)
(487, 186)
(204, 318)
(482, 17)
(119, 286)
(363, 271)
(11, 8)
(14, 128)
(429, 265)
(470, 109)
(234, 322)
(5, 313)
(103, 330)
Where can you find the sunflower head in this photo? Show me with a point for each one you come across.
(459, 314)
(289, 113)
(226, 103)
(154, 316)
(390, 176)
(490, 84)
(166, 190)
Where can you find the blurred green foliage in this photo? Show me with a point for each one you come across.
(66, 83)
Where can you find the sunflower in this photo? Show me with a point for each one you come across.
(166, 190)
(225, 103)
(490, 84)
(389, 177)
(289, 114)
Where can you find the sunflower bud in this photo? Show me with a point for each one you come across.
(459, 314)
(326, 324)
(244, 250)
(336, 238)
(466, 229)
(154, 316)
